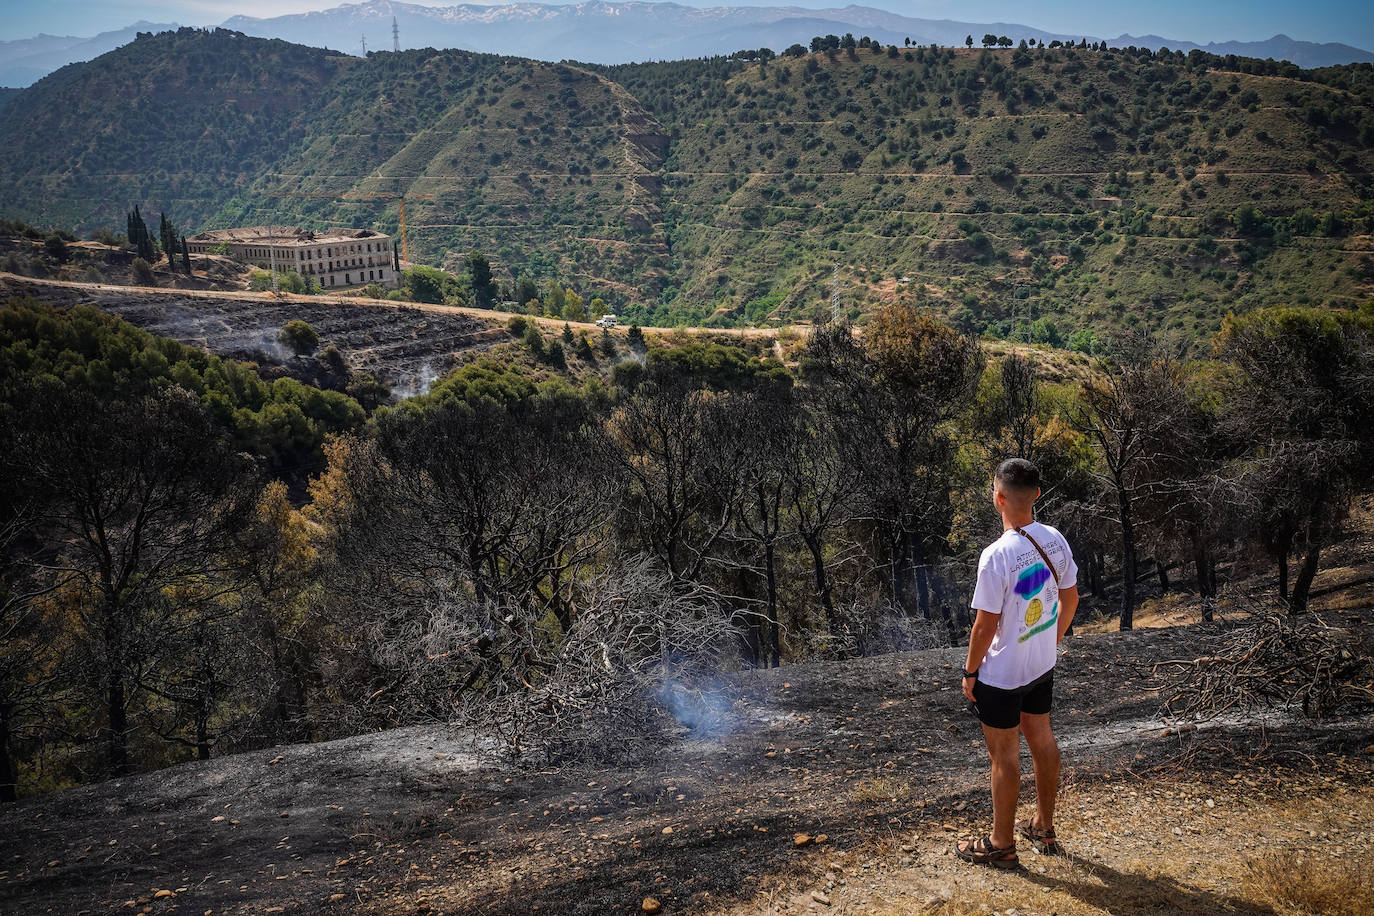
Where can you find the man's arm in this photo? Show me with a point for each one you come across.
(984, 629)
(1068, 603)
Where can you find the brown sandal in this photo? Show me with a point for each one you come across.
(1043, 840)
(982, 852)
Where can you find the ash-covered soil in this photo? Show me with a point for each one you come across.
(404, 345)
(879, 755)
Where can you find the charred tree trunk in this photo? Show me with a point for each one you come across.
(203, 731)
(9, 777)
(1302, 586)
(914, 556)
(899, 590)
(774, 628)
(813, 543)
(1128, 561)
(1206, 581)
(117, 740)
(1163, 572)
(1283, 577)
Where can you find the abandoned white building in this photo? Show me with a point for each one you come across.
(333, 258)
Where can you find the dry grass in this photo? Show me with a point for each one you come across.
(1334, 887)
(882, 789)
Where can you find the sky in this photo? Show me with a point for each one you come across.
(1347, 21)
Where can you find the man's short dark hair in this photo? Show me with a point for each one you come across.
(1018, 475)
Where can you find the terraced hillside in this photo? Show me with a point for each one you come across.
(405, 346)
(1049, 194)
(1098, 187)
(549, 167)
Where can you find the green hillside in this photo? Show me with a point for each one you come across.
(1002, 184)
(550, 168)
(1021, 192)
(176, 121)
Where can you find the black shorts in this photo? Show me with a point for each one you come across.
(998, 708)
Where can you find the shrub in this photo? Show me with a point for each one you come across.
(299, 336)
(534, 340)
(143, 273)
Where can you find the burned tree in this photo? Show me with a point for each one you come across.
(767, 425)
(683, 462)
(140, 498)
(890, 401)
(1302, 403)
(1125, 411)
(500, 503)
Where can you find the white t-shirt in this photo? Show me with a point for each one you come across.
(1014, 583)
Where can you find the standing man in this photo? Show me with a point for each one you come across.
(1025, 598)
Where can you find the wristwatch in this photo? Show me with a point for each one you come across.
(972, 674)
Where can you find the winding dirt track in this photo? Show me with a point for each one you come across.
(98, 293)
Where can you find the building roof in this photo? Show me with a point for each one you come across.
(283, 235)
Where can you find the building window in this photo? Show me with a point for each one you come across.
(369, 275)
(348, 278)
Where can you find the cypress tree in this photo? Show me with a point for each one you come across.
(141, 238)
(185, 256)
(167, 234)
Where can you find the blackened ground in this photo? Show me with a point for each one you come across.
(867, 752)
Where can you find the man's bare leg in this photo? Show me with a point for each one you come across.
(1004, 746)
(1045, 755)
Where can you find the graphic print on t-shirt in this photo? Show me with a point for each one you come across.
(1030, 583)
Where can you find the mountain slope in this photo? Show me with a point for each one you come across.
(1306, 54)
(546, 165)
(1051, 194)
(1007, 185)
(169, 121)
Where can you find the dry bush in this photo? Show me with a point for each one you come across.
(638, 659)
(1276, 661)
(1330, 887)
(876, 629)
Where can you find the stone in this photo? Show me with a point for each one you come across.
(802, 839)
(667, 830)
(821, 897)
(335, 898)
(650, 905)
(164, 893)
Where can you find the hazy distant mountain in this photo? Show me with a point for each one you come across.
(29, 59)
(612, 32)
(607, 32)
(617, 32)
(1306, 54)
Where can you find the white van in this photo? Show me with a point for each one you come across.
(606, 321)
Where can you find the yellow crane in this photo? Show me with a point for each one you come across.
(367, 195)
